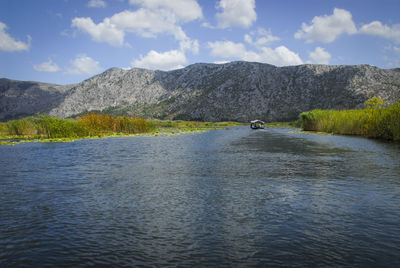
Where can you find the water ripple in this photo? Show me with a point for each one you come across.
(223, 198)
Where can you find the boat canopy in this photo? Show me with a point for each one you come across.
(257, 124)
(257, 121)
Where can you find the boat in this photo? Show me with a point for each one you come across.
(257, 124)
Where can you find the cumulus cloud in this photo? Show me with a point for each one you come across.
(328, 27)
(392, 57)
(261, 37)
(148, 23)
(154, 17)
(236, 13)
(378, 29)
(320, 56)
(83, 64)
(191, 45)
(102, 32)
(169, 60)
(185, 10)
(279, 56)
(97, 3)
(48, 66)
(226, 49)
(9, 44)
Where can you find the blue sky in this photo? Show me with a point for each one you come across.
(67, 41)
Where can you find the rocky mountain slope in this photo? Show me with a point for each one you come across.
(19, 99)
(237, 91)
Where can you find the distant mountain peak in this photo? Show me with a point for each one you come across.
(237, 91)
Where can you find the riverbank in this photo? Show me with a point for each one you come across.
(375, 121)
(96, 126)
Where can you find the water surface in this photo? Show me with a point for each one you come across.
(234, 197)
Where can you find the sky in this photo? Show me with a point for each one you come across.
(67, 41)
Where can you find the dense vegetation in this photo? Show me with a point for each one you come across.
(95, 125)
(87, 125)
(375, 121)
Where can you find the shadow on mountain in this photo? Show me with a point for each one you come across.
(20, 99)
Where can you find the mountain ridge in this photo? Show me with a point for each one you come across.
(238, 91)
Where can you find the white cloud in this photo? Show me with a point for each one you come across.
(185, 10)
(97, 3)
(280, 56)
(327, 28)
(102, 32)
(208, 25)
(153, 18)
(169, 60)
(221, 62)
(240, 13)
(48, 66)
(187, 44)
(382, 30)
(226, 49)
(148, 23)
(83, 64)
(320, 56)
(9, 44)
(261, 37)
(392, 57)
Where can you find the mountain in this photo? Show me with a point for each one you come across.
(19, 99)
(238, 91)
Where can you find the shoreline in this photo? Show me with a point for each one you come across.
(162, 132)
(43, 128)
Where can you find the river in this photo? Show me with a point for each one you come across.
(232, 197)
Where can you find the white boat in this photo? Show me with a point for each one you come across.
(257, 124)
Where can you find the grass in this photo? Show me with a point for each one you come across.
(375, 121)
(95, 125)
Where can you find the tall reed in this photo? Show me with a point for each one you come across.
(375, 121)
(97, 124)
(25, 126)
(61, 128)
(87, 125)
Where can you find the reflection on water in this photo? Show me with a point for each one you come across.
(223, 198)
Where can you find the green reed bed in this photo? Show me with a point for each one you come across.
(89, 125)
(46, 128)
(375, 121)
